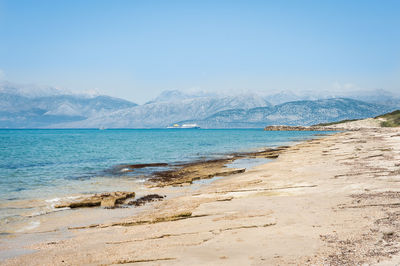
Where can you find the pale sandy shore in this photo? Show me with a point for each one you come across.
(329, 201)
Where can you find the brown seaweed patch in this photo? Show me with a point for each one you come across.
(143, 165)
(129, 261)
(189, 172)
(145, 199)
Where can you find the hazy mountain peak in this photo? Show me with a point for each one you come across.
(170, 95)
(177, 95)
(31, 91)
(36, 91)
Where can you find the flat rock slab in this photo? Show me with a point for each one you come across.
(107, 200)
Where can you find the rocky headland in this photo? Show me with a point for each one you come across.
(302, 128)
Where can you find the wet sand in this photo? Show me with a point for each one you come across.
(334, 200)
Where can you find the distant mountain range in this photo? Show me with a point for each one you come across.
(161, 114)
(371, 96)
(293, 113)
(21, 109)
(53, 108)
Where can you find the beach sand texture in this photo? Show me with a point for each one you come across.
(333, 200)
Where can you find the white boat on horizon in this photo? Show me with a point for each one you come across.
(185, 126)
(190, 126)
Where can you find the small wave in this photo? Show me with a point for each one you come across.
(53, 200)
(39, 213)
(73, 197)
(32, 225)
(123, 170)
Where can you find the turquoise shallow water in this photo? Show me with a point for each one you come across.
(41, 164)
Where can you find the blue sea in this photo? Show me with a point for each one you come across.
(43, 164)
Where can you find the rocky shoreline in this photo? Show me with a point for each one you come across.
(105, 200)
(179, 175)
(327, 201)
(303, 128)
(206, 169)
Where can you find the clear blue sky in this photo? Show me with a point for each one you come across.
(135, 49)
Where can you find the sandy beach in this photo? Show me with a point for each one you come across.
(329, 201)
